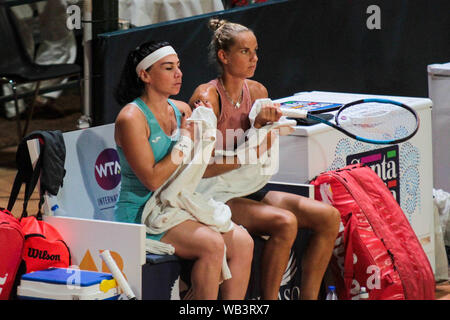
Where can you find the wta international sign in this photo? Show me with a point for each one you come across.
(107, 169)
(92, 182)
(107, 175)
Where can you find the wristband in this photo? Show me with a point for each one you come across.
(185, 145)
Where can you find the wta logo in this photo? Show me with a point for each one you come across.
(107, 169)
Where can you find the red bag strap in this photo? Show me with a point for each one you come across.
(348, 260)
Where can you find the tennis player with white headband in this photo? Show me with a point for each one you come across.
(149, 60)
(151, 145)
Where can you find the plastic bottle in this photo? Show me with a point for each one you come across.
(57, 211)
(331, 295)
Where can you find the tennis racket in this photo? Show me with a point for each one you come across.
(376, 121)
(117, 274)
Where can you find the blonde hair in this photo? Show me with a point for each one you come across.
(223, 37)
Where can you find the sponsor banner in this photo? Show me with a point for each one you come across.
(92, 182)
(385, 163)
(399, 166)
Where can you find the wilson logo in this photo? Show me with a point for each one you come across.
(42, 255)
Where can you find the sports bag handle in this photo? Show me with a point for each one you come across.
(49, 168)
(29, 187)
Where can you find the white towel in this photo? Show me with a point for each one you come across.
(253, 173)
(176, 200)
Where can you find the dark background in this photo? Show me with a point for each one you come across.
(303, 45)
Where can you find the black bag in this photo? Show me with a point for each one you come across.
(49, 166)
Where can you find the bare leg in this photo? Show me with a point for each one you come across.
(324, 221)
(195, 241)
(281, 226)
(239, 258)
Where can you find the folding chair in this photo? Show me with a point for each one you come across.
(16, 67)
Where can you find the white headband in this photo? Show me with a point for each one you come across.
(153, 57)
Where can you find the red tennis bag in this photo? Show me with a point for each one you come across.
(44, 246)
(11, 248)
(376, 247)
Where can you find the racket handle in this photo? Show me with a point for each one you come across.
(294, 113)
(117, 274)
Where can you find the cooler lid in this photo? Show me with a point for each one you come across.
(442, 69)
(62, 275)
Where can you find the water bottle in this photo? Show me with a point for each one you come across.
(57, 211)
(331, 294)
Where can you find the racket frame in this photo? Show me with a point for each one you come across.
(372, 141)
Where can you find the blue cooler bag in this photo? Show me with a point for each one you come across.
(67, 284)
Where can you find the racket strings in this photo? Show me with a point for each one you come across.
(378, 121)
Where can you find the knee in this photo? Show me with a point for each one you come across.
(333, 220)
(244, 245)
(240, 249)
(213, 248)
(285, 226)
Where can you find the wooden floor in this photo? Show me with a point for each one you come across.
(8, 173)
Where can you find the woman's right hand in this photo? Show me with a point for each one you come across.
(268, 113)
